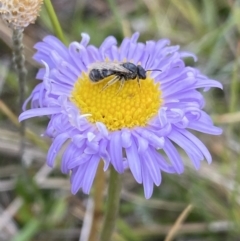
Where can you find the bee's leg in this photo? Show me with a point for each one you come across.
(122, 80)
(139, 84)
(110, 82)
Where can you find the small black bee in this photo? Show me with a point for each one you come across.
(121, 72)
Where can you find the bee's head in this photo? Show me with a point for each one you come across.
(141, 72)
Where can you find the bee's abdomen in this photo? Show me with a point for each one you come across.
(96, 74)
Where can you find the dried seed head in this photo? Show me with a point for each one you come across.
(18, 14)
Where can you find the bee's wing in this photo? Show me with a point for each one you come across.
(110, 66)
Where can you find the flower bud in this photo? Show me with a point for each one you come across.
(18, 14)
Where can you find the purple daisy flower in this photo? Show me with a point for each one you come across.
(124, 127)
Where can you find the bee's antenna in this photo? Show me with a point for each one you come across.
(151, 69)
(154, 70)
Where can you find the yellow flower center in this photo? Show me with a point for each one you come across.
(117, 108)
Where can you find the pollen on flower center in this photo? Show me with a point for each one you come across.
(117, 108)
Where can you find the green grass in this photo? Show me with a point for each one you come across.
(208, 28)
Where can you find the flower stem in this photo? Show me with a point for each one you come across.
(19, 62)
(98, 197)
(114, 190)
(54, 20)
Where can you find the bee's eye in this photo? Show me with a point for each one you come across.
(141, 72)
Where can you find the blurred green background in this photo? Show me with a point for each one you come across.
(37, 204)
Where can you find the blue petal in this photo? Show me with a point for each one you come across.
(79, 140)
(174, 156)
(134, 161)
(55, 148)
(185, 144)
(104, 153)
(196, 161)
(90, 136)
(114, 53)
(152, 167)
(153, 139)
(138, 52)
(102, 129)
(77, 178)
(108, 43)
(184, 84)
(203, 127)
(85, 39)
(93, 146)
(126, 139)
(34, 92)
(198, 144)
(90, 174)
(208, 83)
(147, 181)
(76, 56)
(164, 166)
(67, 157)
(78, 160)
(142, 143)
(115, 150)
(187, 55)
(135, 37)
(124, 47)
(39, 112)
(53, 43)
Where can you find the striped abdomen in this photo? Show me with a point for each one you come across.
(99, 74)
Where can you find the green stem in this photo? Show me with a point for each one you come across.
(234, 89)
(98, 197)
(29, 231)
(54, 20)
(114, 190)
(19, 62)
